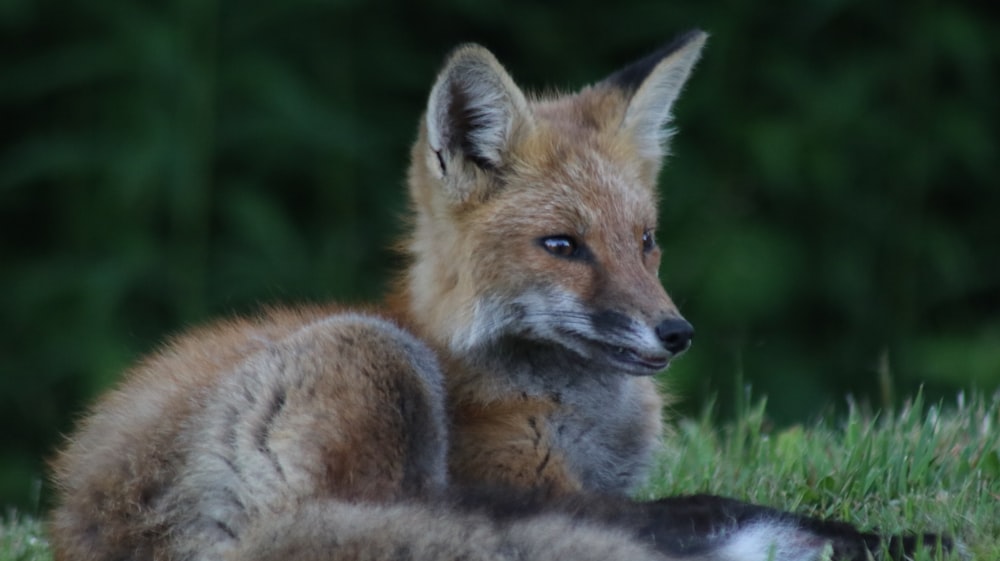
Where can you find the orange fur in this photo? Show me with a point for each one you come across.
(467, 372)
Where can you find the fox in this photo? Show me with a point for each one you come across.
(498, 404)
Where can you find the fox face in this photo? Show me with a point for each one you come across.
(536, 219)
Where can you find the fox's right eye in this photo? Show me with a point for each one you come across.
(562, 246)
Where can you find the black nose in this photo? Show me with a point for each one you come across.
(675, 334)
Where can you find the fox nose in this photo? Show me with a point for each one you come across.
(675, 334)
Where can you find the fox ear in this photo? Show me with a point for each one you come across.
(652, 84)
(473, 112)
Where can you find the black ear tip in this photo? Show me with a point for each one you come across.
(681, 40)
(632, 76)
(688, 36)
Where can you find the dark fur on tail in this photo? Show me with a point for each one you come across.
(700, 526)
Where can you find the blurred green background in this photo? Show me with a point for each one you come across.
(831, 214)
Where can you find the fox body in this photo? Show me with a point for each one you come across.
(499, 405)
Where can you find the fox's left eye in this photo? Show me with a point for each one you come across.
(563, 246)
(648, 241)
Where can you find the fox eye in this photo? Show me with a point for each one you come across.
(648, 241)
(561, 246)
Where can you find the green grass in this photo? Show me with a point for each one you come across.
(22, 539)
(933, 468)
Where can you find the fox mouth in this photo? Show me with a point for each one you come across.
(636, 360)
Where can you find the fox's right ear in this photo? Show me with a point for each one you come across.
(473, 113)
(651, 86)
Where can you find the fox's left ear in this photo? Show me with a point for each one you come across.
(651, 85)
(473, 116)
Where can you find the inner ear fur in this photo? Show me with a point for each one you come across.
(473, 111)
(652, 85)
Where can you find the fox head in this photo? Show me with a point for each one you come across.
(535, 218)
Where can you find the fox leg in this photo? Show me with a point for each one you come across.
(339, 454)
(331, 445)
(348, 407)
(339, 531)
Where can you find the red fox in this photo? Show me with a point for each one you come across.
(498, 405)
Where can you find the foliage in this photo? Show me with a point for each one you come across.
(831, 200)
(22, 539)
